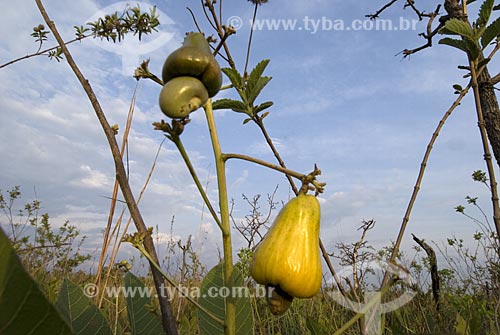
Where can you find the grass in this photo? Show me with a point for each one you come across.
(469, 293)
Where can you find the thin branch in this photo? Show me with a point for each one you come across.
(411, 4)
(430, 33)
(178, 143)
(286, 171)
(423, 165)
(377, 13)
(39, 53)
(168, 320)
(496, 79)
(420, 177)
(177, 287)
(486, 147)
(107, 238)
(221, 30)
(194, 19)
(433, 268)
(258, 120)
(207, 3)
(250, 39)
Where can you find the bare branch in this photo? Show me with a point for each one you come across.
(194, 19)
(168, 320)
(430, 33)
(496, 79)
(433, 268)
(377, 13)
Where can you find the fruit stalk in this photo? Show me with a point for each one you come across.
(220, 165)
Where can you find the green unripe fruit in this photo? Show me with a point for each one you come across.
(194, 59)
(181, 96)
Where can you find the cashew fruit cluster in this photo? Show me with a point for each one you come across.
(288, 258)
(191, 76)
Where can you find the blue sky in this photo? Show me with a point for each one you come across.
(343, 100)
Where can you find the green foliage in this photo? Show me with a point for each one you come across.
(56, 54)
(41, 248)
(40, 33)
(248, 89)
(142, 317)
(212, 292)
(484, 16)
(458, 27)
(25, 310)
(462, 327)
(459, 44)
(235, 105)
(313, 326)
(79, 312)
(112, 27)
(116, 25)
(471, 35)
(245, 256)
(479, 176)
(458, 89)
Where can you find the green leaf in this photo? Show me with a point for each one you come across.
(457, 27)
(473, 48)
(462, 327)
(490, 33)
(313, 326)
(248, 119)
(256, 73)
(79, 312)
(484, 15)
(458, 87)
(262, 107)
(235, 105)
(254, 91)
(215, 303)
(25, 310)
(143, 320)
(470, 1)
(256, 82)
(459, 44)
(234, 76)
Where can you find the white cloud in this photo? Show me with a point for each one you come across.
(93, 179)
(342, 101)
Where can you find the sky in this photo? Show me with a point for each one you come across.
(344, 99)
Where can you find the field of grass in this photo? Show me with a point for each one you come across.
(467, 302)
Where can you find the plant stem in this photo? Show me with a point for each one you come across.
(306, 179)
(168, 320)
(286, 171)
(259, 122)
(178, 143)
(250, 40)
(486, 147)
(423, 165)
(179, 289)
(418, 183)
(220, 165)
(39, 53)
(363, 311)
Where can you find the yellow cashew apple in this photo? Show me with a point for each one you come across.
(288, 257)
